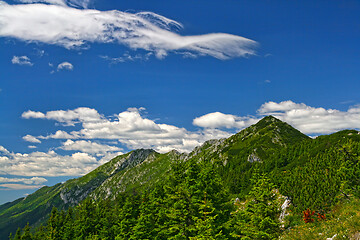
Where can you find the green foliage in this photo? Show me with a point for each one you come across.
(343, 220)
(324, 179)
(147, 195)
(259, 218)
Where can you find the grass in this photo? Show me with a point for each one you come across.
(343, 222)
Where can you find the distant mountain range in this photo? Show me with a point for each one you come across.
(265, 144)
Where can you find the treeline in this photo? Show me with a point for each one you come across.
(192, 203)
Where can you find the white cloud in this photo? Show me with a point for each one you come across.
(67, 117)
(307, 119)
(89, 147)
(71, 28)
(312, 120)
(74, 3)
(19, 60)
(127, 57)
(32, 146)
(221, 120)
(32, 114)
(33, 180)
(135, 131)
(15, 186)
(4, 150)
(90, 140)
(32, 139)
(47, 164)
(65, 66)
(59, 134)
(128, 127)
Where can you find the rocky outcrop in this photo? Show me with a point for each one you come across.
(253, 158)
(284, 207)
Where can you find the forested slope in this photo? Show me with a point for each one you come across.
(225, 189)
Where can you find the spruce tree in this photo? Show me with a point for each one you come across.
(26, 233)
(259, 218)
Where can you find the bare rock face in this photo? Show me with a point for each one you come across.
(253, 158)
(284, 207)
(79, 190)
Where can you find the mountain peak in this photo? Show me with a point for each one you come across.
(268, 120)
(272, 129)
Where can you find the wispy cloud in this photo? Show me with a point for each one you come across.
(21, 60)
(127, 57)
(74, 3)
(60, 24)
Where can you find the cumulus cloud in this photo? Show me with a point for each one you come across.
(313, 120)
(89, 147)
(19, 60)
(60, 24)
(4, 150)
(67, 117)
(32, 139)
(65, 66)
(221, 120)
(307, 119)
(33, 180)
(47, 164)
(128, 127)
(15, 186)
(135, 131)
(90, 140)
(21, 183)
(59, 134)
(32, 114)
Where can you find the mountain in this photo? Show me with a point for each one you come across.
(265, 145)
(126, 169)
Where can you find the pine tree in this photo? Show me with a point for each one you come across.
(206, 227)
(85, 222)
(26, 233)
(128, 216)
(54, 225)
(68, 232)
(17, 234)
(259, 218)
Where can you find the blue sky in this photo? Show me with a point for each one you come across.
(83, 81)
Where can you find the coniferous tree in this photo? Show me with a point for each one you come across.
(54, 225)
(26, 233)
(128, 216)
(259, 218)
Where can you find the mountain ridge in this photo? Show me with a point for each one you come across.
(235, 157)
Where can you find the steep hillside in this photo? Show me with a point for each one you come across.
(254, 147)
(37, 206)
